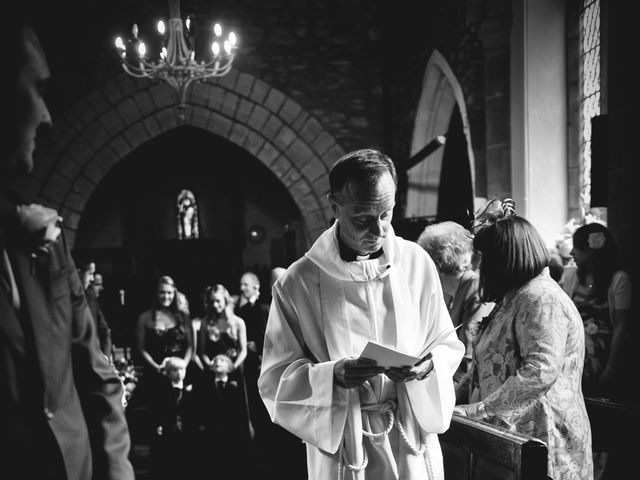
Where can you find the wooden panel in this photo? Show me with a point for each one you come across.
(476, 450)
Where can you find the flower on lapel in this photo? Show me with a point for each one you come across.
(188, 388)
(42, 225)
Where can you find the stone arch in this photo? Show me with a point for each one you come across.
(104, 127)
(441, 91)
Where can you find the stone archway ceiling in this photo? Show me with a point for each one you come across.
(103, 128)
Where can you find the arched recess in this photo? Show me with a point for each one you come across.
(103, 128)
(441, 92)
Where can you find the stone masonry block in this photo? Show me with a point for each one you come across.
(322, 143)
(245, 84)
(136, 134)
(272, 127)
(258, 118)
(98, 102)
(219, 125)
(112, 122)
(274, 100)
(280, 167)
(285, 138)
(314, 169)
(84, 112)
(292, 176)
(94, 171)
(238, 133)
(312, 132)
(96, 135)
(299, 152)
(243, 113)
(145, 103)
(230, 105)
(253, 142)
(260, 91)
(56, 187)
(268, 153)
(300, 121)
(290, 111)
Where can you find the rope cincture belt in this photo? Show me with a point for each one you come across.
(389, 408)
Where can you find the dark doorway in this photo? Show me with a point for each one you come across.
(455, 193)
(130, 225)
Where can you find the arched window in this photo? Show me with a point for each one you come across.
(187, 215)
(589, 89)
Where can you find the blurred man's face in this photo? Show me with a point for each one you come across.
(364, 213)
(88, 275)
(248, 286)
(30, 108)
(97, 284)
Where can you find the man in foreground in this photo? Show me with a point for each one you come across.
(61, 413)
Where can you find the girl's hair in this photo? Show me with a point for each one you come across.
(216, 289)
(604, 261)
(512, 251)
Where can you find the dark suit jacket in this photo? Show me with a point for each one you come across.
(61, 413)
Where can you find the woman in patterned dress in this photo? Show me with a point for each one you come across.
(529, 351)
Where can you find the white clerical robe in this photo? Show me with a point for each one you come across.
(325, 309)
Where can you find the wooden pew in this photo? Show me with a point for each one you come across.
(614, 429)
(474, 450)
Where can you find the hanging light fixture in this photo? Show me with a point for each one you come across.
(177, 64)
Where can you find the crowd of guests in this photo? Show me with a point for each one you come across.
(199, 381)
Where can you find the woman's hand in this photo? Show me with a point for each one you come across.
(474, 411)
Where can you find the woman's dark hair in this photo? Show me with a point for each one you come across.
(512, 251)
(604, 261)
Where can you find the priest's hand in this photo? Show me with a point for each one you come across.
(353, 372)
(419, 371)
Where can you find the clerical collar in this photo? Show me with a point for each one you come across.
(349, 255)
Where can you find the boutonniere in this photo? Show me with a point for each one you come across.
(42, 226)
(233, 382)
(188, 388)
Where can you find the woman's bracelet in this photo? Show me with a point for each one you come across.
(482, 409)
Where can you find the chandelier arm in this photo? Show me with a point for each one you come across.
(177, 66)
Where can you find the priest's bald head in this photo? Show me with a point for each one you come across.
(363, 188)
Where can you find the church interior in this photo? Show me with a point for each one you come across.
(472, 99)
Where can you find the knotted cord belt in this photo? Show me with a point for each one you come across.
(389, 408)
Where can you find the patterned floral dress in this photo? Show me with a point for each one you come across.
(528, 362)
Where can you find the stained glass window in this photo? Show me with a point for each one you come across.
(187, 215)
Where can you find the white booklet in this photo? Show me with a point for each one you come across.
(388, 357)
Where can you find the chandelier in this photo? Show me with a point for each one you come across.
(177, 64)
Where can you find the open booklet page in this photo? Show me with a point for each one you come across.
(388, 357)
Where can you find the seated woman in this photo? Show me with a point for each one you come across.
(529, 352)
(601, 290)
(450, 245)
